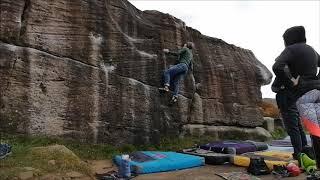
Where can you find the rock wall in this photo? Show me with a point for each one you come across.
(89, 70)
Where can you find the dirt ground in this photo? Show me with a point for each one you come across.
(201, 173)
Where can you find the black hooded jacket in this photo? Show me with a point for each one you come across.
(301, 59)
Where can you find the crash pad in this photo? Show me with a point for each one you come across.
(270, 157)
(144, 162)
(231, 146)
(211, 157)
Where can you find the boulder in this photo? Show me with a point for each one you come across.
(89, 70)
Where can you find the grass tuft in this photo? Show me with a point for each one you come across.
(279, 133)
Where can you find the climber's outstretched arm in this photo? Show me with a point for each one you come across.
(174, 53)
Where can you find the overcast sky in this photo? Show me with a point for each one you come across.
(254, 25)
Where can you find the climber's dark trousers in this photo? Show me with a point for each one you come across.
(316, 148)
(291, 121)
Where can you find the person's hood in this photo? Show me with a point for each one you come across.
(294, 35)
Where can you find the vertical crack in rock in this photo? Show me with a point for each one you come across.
(192, 102)
(107, 69)
(23, 19)
(95, 56)
(95, 51)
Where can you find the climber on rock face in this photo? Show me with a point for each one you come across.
(177, 72)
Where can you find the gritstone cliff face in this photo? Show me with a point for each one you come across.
(90, 70)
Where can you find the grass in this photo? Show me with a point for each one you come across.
(25, 153)
(65, 160)
(279, 133)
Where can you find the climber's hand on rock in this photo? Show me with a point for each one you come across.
(165, 50)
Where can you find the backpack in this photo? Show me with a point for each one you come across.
(258, 167)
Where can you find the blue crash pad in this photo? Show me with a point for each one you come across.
(144, 162)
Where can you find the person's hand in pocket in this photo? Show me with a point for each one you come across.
(295, 81)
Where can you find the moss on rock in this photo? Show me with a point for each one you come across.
(65, 159)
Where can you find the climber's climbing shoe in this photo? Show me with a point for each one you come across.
(174, 99)
(164, 89)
